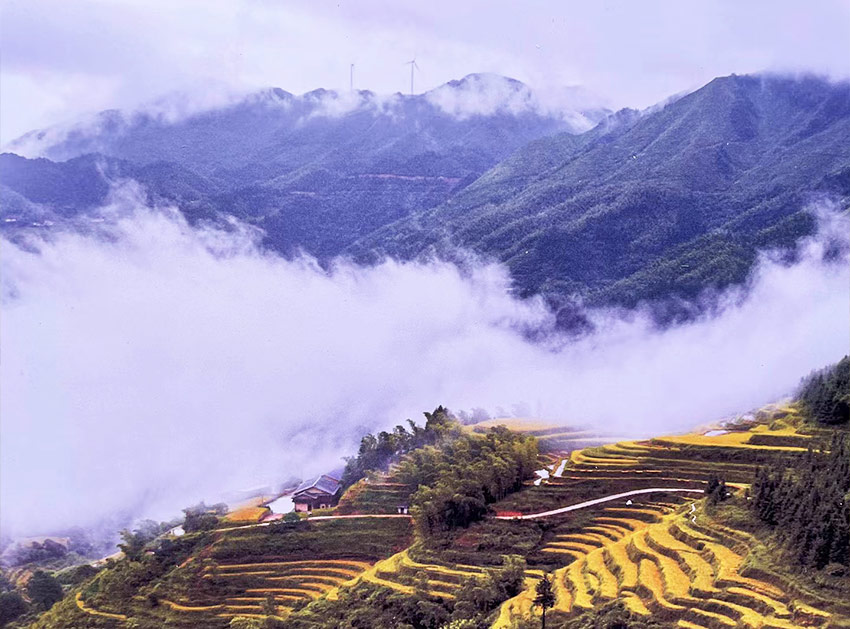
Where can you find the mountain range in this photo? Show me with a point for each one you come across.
(616, 208)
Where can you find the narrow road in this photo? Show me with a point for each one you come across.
(590, 503)
(313, 519)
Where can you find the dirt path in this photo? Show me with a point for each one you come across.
(596, 501)
(313, 519)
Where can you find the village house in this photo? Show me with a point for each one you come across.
(321, 492)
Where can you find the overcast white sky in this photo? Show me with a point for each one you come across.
(62, 58)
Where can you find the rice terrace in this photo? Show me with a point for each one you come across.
(390, 314)
(664, 531)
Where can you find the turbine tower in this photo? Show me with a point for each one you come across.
(413, 66)
(351, 79)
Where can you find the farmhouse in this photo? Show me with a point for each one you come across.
(320, 493)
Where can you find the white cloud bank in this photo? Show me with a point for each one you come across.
(152, 364)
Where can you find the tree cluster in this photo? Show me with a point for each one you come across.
(376, 452)
(201, 517)
(825, 394)
(808, 505)
(459, 479)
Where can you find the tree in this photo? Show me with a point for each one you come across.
(12, 605)
(269, 605)
(716, 490)
(43, 590)
(291, 518)
(544, 597)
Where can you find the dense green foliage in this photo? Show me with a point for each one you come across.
(652, 206)
(672, 202)
(544, 597)
(459, 479)
(12, 605)
(312, 180)
(715, 490)
(808, 504)
(133, 542)
(43, 590)
(377, 451)
(825, 394)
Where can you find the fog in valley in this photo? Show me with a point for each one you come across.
(148, 364)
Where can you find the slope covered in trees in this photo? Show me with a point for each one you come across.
(825, 395)
(647, 206)
(315, 171)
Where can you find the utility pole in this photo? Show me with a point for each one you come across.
(413, 65)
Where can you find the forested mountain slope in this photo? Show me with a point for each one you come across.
(643, 207)
(315, 171)
(662, 204)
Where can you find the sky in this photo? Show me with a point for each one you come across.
(61, 59)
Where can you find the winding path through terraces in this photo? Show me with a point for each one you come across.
(595, 501)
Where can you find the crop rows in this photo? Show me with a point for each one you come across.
(244, 588)
(400, 572)
(671, 569)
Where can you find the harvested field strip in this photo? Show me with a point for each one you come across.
(81, 605)
(765, 604)
(577, 585)
(647, 515)
(258, 600)
(314, 581)
(727, 563)
(566, 552)
(612, 533)
(342, 563)
(579, 547)
(190, 608)
(634, 604)
(632, 525)
(622, 565)
(320, 588)
(607, 582)
(709, 619)
(589, 538)
(675, 581)
(649, 578)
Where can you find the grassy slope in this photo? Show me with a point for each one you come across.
(683, 566)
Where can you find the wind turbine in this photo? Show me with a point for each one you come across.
(351, 79)
(413, 65)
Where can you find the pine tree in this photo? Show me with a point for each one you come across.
(544, 597)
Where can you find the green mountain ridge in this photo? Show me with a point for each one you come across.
(664, 204)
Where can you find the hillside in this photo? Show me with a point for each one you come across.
(664, 532)
(649, 206)
(315, 171)
(655, 205)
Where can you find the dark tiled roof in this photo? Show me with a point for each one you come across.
(323, 483)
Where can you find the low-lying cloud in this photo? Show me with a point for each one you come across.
(147, 364)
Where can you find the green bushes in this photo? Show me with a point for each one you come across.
(825, 394)
(808, 505)
(376, 452)
(460, 478)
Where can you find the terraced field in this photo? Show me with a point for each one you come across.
(244, 588)
(380, 494)
(664, 558)
(400, 572)
(675, 568)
